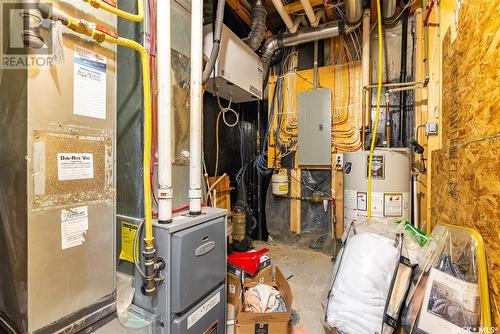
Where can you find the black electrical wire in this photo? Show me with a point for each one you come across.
(261, 160)
(6, 326)
(402, 78)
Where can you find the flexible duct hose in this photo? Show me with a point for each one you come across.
(209, 67)
(258, 27)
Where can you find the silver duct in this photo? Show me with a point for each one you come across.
(324, 31)
(354, 10)
(388, 9)
(258, 27)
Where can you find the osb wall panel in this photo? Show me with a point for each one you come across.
(466, 171)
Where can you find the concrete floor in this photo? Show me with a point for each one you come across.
(310, 273)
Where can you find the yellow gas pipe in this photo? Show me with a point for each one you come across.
(85, 28)
(139, 17)
(377, 111)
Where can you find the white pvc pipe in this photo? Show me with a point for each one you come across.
(365, 65)
(310, 13)
(165, 191)
(195, 107)
(284, 15)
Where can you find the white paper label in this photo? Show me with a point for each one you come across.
(202, 310)
(350, 199)
(74, 225)
(75, 166)
(232, 289)
(89, 90)
(383, 205)
(393, 205)
(362, 201)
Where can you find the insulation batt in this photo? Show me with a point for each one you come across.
(363, 283)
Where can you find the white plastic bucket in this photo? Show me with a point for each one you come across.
(279, 184)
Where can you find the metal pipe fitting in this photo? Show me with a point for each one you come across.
(32, 20)
(149, 254)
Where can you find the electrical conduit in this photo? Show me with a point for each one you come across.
(195, 107)
(377, 111)
(165, 191)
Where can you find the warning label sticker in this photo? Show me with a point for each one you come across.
(129, 230)
(362, 201)
(74, 226)
(393, 205)
(202, 310)
(75, 166)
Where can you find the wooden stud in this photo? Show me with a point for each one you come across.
(241, 10)
(297, 6)
(338, 188)
(295, 191)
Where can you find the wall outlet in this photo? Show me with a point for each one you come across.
(431, 128)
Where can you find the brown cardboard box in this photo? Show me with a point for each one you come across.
(265, 275)
(265, 323)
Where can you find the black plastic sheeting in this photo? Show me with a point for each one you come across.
(315, 222)
(238, 148)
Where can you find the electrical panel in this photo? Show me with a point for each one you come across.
(315, 127)
(237, 75)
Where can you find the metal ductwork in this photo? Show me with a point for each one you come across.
(354, 10)
(389, 9)
(258, 27)
(324, 31)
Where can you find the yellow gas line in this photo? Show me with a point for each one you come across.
(139, 17)
(377, 111)
(85, 28)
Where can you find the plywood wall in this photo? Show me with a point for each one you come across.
(465, 172)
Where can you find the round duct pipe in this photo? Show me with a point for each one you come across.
(354, 11)
(388, 9)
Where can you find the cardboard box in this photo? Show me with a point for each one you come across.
(265, 323)
(265, 275)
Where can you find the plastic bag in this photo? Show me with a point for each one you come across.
(413, 240)
(363, 278)
(446, 294)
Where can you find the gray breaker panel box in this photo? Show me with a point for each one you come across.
(315, 128)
